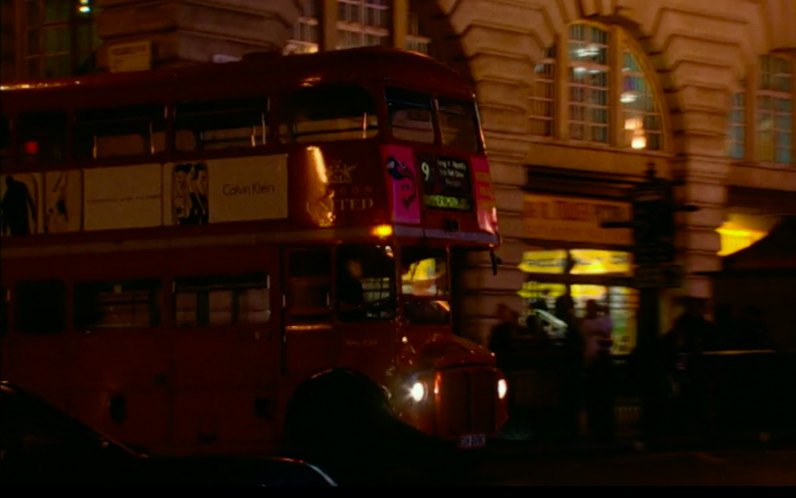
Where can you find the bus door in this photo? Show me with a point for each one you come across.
(309, 342)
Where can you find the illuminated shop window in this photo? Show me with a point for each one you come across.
(576, 262)
(552, 261)
(591, 73)
(598, 262)
(621, 304)
(584, 274)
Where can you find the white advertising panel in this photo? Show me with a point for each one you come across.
(123, 197)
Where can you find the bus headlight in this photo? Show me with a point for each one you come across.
(502, 388)
(418, 391)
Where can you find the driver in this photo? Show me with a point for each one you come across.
(350, 294)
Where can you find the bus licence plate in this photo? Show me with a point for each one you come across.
(472, 441)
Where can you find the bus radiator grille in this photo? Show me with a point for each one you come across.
(466, 402)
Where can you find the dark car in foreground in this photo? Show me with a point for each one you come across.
(42, 446)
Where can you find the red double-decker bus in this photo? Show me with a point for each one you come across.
(196, 258)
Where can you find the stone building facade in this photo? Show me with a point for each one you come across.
(577, 97)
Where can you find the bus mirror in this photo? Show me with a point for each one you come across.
(495, 261)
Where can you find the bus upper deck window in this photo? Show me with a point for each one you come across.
(42, 136)
(132, 131)
(459, 124)
(410, 115)
(330, 113)
(221, 124)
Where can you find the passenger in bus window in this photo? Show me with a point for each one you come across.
(350, 293)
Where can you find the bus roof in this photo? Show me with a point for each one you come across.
(255, 74)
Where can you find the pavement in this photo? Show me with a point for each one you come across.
(540, 435)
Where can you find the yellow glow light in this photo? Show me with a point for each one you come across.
(639, 139)
(734, 239)
(381, 231)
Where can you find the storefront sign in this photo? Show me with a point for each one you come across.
(573, 219)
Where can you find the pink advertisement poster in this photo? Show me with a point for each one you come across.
(484, 197)
(399, 164)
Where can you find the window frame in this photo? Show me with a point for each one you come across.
(86, 300)
(201, 287)
(750, 112)
(618, 41)
(78, 57)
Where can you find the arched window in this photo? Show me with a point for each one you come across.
(610, 95)
(589, 75)
(765, 133)
(641, 116)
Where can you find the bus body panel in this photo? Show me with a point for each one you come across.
(166, 314)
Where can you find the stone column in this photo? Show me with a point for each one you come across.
(697, 239)
(327, 19)
(500, 53)
(400, 21)
(189, 31)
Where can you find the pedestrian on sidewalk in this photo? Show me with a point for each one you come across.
(596, 328)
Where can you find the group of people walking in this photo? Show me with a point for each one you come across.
(586, 382)
(586, 386)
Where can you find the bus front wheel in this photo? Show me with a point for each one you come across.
(337, 420)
